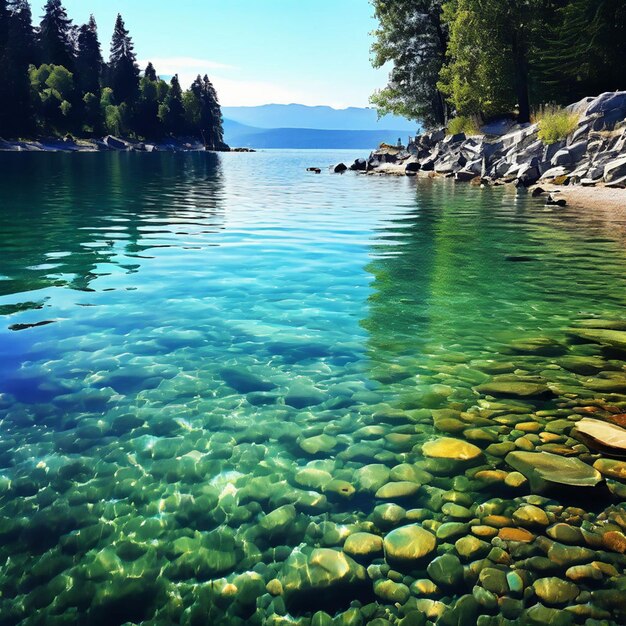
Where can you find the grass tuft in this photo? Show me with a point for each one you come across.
(554, 123)
(463, 124)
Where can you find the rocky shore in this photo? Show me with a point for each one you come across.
(108, 143)
(593, 156)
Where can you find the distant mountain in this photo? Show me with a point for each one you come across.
(242, 136)
(319, 117)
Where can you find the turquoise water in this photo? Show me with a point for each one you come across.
(181, 335)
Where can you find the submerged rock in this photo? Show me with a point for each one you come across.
(515, 389)
(324, 573)
(603, 436)
(408, 544)
(450, 448)
(545, 470)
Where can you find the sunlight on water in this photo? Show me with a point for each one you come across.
(210, 365)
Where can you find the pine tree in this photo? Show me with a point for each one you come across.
(150, 73)
(123, 69)
(19, 52)
(89, 59)
(413, 37)
(172, 112)
(147, 123)
(56, 36)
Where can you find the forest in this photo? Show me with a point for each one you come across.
(487, 58)
(54, 81)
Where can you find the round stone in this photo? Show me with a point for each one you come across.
(409, 543)
(529, 515)
(401, 489)
(446, 570)
(450, 448)
(363, 544)
(553, 590)
(391, 592)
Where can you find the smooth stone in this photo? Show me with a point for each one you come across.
(545, 470)
(244, 381)
(372, 477)
(540, 615)
(554, 590)
(324, 571)
(615, 541)
(530, 516)
(340, 489)
(319, 444)
(565, 533)
(363, 545)
(279, 520)
(471, 547)
(494, 580)
(447, 530)
(611, 468)
(312, 478)
(614, 338)
(446, 570)
(521, 389)
(456, 511)
(515, 534)
(515, 480)
(388, 515)
(390, 591)
(408, 544)
(402, 489)
(602, 436)
(302, 395)
(450, 448)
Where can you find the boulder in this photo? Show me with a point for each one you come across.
(114, 143)
(412, 167)
(340, 168)
(570, 155)
(609, 101)
(456, 138)
(554, 172)
(545, 471)
(602, 436)
(324, 572)
(528, 175)
(552, 200)
(359, 165)
(407, 545)
(615, 169)
(451, 448)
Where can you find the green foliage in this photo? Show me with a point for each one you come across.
(413, 38)
(463, 124)
(57, 83)
(555, 124)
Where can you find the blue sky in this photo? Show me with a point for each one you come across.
(255, 51)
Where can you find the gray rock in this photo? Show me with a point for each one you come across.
(114, 143)
(359, 165)
(452, 139)
(608, 101)
(570, 155)
(528, 175)
(615, 169)
(340, 168)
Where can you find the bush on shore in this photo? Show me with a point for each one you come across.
(554, 123)
(463, 124)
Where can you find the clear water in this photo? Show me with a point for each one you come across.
(173, 326)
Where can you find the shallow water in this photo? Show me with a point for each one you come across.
(176, 331)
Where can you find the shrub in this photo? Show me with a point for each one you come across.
(463, 124)
(554, 123)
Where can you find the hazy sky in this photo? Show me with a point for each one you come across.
(255, 51)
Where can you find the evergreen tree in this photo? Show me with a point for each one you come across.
(413, 37)
(585, 50)
(89, 59)
(147, 122)
(150, 73)
(55, 35)
(172, 112)
(123, 69)
(19, 52)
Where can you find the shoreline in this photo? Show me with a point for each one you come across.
(585, 169)
(107, 144)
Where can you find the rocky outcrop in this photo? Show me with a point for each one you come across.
(594, 153)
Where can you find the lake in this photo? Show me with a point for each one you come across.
(217, 369)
